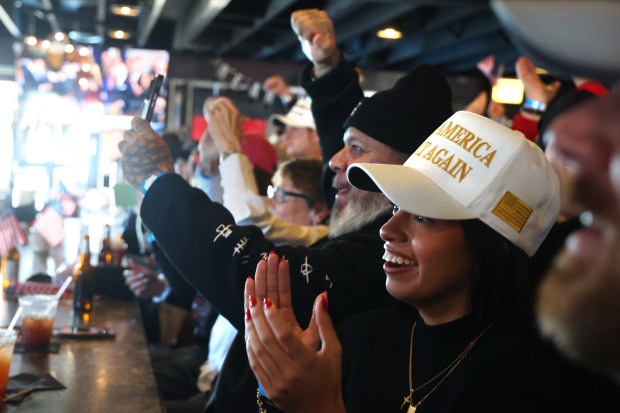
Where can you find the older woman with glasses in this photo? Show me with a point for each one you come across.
(296, 194)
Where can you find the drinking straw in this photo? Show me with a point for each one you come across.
(15, 318)
(63, 287)
(24, 392)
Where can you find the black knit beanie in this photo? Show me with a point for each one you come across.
(405, 115)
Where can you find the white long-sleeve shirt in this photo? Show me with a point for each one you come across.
(241, 198)
(223, 334)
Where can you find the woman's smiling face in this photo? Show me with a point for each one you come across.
(428, 265)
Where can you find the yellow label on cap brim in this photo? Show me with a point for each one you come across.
(513, 211)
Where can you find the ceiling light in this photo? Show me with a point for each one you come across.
(125, 10)
(119, 34)
(46, 44)
(59, 36)
(30, 40)
(389, 33)
(508, 90)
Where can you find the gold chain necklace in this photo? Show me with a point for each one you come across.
(447, 370)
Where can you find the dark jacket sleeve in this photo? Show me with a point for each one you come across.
(181, 293)
(334, 96)
(216, 257)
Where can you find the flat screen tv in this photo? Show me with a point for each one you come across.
(127, 75)
(112, 81)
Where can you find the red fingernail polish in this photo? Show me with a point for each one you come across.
(324, 301)
(249, 278)
(272, 252)
(283, 259)
(248, 316)
(268, 303)
(252, 300)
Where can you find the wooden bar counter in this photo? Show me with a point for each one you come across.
(101, 375)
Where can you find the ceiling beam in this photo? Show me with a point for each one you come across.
(373, 14)
(450, 15)
(445, 18)
(450, 35)
(196, 19)
(9, 23)
(276, 7)
(478, 47)
(144, 31)
(100, 18)
(372, 17)
(336, 9)
(504, 55)
(51, 17)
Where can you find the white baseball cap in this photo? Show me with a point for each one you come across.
(472, 167)
(300, 116)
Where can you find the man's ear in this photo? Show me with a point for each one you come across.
(315, 136)
(319, 213)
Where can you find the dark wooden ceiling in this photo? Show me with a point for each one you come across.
(452, 34)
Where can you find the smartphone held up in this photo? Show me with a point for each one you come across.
(148, 106)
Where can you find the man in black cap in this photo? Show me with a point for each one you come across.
(216, 256)
(398, 119)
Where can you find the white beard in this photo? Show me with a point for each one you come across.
(579, 310)
(363, 208)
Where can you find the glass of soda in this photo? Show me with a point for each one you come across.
(39, 311)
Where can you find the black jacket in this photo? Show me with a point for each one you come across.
(215, 256)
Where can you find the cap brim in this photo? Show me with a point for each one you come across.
(408, 189)
(286, 121)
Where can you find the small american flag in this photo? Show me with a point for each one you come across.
(11, 234)
(50, 224)
(68, 205)
(32, 287)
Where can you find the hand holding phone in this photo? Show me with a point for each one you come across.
(148, 106)
(145, 261)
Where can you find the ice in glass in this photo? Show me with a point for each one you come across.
(37, 319)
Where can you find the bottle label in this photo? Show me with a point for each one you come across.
(12, 270)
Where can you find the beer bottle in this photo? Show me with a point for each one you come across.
(10, 267)
(84, 279)
(106, 253)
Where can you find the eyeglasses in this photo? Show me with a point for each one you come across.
(279, 195)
